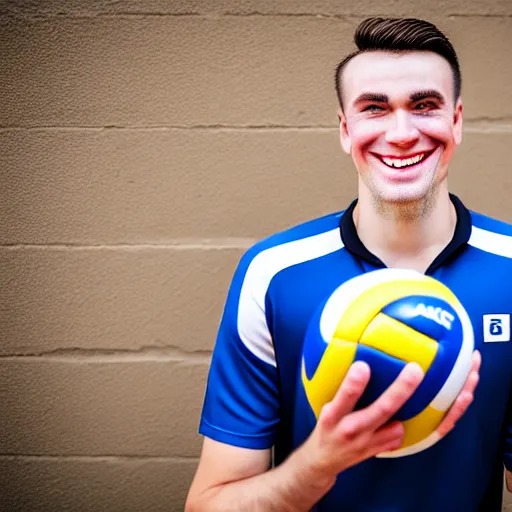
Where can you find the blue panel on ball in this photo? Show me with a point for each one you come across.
(429, 315)
(439, 371)
(385, 370)
(437, 319)
(314, 345)
(433, 381)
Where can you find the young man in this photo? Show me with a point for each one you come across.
(400, 120)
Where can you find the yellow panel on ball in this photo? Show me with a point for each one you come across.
(421, 426)
(399, 340)
(329, 375)
(368, 304)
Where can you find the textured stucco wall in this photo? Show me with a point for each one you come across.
(144, 146)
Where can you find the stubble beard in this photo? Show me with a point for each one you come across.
(406, 206)
(408, 210)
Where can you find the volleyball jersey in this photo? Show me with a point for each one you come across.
(255, 397)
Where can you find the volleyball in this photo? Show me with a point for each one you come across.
(387, 318)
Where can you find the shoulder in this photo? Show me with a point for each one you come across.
(491, 235)
(298, 244)
(246, 305)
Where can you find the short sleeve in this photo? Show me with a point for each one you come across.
(241, 405)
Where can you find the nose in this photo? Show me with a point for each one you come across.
(402, 130)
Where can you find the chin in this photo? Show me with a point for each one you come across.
(418, 190)
(404, 193)
(404, 198)
(407, 204)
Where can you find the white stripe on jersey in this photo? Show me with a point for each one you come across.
(252, 323)
(488, 241)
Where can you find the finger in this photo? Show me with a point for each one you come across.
(389, 437)
(348, 393)
(476, 360)
(380, 411)
(474, 375)
(471, 382)
(455, 412)
(389, 447)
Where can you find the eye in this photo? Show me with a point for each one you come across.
(373, 108)
(425, 106)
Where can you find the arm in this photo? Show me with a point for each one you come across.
(242, 482)
(232, 479)
(508, 479)
(241, 413)
(245, 483)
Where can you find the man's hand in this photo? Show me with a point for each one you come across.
(340, 439)
(508, 480)
(344, 437)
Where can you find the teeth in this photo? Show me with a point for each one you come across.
(398, 162)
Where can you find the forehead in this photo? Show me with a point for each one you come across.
(396, 74)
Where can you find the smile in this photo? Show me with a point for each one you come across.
(404, 162)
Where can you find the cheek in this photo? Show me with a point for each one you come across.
(363, 134)
(438, 129)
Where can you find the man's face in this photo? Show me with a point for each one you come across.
(399, 123)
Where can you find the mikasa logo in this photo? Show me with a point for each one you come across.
(439, 315)
(496, 328)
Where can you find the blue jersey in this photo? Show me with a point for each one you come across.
(255, 399)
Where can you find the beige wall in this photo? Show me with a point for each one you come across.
(144, 146)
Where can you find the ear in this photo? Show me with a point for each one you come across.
(344, 135)
(457, 122)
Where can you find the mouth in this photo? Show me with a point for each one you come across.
(404, 162)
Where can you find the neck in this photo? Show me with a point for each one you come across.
(407, 235)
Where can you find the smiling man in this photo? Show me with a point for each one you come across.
(400, 121)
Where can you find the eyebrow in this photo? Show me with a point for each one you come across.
(370, 96)
(431, 93)
(383, 98)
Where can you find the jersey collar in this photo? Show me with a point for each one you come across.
(460, 238)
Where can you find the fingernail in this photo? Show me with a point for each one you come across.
(359, 369)
(416, 368)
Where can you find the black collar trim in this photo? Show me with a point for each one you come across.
(460, 238)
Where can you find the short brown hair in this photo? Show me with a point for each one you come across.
(401, 35)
